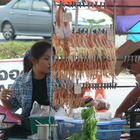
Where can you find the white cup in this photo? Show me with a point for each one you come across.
(43, 132)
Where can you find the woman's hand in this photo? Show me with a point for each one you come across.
(118, 115)
(101, 104)
(5, 94)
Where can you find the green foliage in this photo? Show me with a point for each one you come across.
(90, 124)
(89, 128)
(74, 137)
(14, 49)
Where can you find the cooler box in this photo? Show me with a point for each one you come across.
(110, 130)
(67, 128)
(42, 119)
(106, 130)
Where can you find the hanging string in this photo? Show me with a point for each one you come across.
(76, 17)
(114, 20)
(51, 77)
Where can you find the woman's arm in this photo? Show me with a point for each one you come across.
(130, 100)
(6, 104)
(5, 96)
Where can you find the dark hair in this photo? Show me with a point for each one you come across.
(39, 48)
(27, 64)
(36, 51)
(137, 52)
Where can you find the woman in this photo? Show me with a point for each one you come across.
(30, 86)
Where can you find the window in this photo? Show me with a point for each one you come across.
(40, 5)
(22, 4)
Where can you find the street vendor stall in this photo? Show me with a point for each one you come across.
(86, 52)
(85, 66)
(81, 54)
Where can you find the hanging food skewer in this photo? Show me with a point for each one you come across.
(79, 55)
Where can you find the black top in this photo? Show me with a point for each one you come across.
(40, 91)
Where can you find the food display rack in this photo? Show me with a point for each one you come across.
(111, 85)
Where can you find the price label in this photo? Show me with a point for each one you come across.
(67, 17)
(77, 89)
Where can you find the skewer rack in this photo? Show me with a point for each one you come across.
(83, 3)
(108, 85)
(128, 58)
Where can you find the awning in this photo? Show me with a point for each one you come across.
(123, 7)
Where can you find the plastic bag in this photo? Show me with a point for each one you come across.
(100, 103)
(8, 116)
(41, 110)
(61, 112)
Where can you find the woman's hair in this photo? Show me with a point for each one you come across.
(137, 52)
(27, 64)
(37, 50)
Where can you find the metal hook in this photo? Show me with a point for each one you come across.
(77, 81)
(96, 3)
(62, 4)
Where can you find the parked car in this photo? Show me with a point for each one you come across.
(26, 17)
(32, 17)
(2, 2)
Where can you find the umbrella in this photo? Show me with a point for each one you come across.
(127, 7)
(123, 25)
(126, 10)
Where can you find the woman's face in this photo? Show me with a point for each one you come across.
(135, 68)
(42, 65)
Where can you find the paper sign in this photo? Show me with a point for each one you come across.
(67, 17)
(77, 89)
